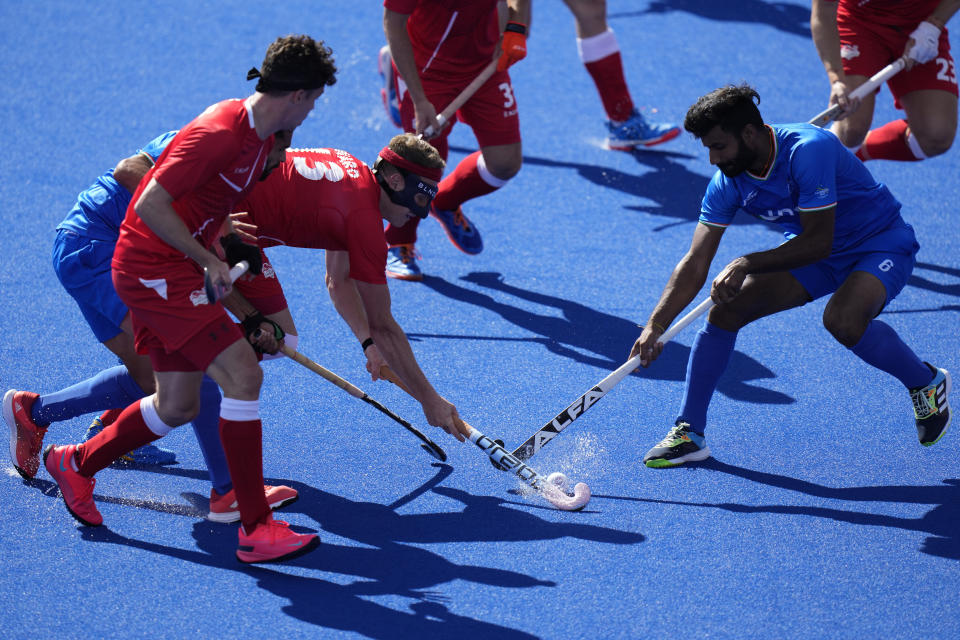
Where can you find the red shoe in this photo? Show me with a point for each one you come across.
(223, 508)
(77, 490)
(273, 541)
(26, 437)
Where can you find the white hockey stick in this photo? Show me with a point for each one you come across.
(861, 92)
(460, 100)
(565, 418)
(217, 291)
(503, 459)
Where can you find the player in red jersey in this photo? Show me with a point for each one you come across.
(438, 48)
(857, 38)
(328, 199)
(158, 264)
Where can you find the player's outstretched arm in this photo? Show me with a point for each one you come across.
(346, 300)
(395, 347)
(826, 38)
(395, 29)
(685, 282)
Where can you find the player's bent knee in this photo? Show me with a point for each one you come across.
(937, 144)
(845, 327)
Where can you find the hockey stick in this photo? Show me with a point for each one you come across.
(503, 459)
(868, 87)
(428, 445)
(217, 291)
(562, 420)
(459, 101)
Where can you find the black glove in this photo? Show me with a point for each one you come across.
(236, 250)
(251, 326)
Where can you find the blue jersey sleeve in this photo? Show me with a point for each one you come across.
(156, 146)
(720, 202)
(813, 167)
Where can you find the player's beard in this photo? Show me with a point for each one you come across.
(741, 162)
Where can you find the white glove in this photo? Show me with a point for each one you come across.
(926, 42)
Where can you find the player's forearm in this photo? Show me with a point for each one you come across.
(155, 209)
(130, 171)
(395, 29)
(944, 11)
(520, 11)
(804, 249)
(395, 347)
(686, 280)
(826, 38)
(346, 300)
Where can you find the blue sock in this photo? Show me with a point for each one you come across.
(709, 357)
(112, 388)
(206, 426)
(882, 348)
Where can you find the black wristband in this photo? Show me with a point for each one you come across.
(516, 27)
(366, 343)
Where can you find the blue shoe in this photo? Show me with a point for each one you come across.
(636, 131)
(681, 445)
(462, 233)
(147, 454)
(931, 407)
(402, 263)
(389, 94)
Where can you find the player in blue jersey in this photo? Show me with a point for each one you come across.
(81, 258)
(845, 238)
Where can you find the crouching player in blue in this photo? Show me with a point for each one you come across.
(845, 237)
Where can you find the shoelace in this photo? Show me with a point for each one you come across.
(408, 254)
(675, 434)
(924, 404)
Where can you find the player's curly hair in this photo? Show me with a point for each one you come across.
(412, 148)
(296, 62)
(731, 108)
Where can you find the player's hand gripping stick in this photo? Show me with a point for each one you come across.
(460, 100)
(861, 92)
(216, 291)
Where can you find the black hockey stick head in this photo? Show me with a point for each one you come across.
(434, 450)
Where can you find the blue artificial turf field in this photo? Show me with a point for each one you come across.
(819, 516)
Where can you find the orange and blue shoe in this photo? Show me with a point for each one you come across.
(26, 438)
(390, 93)
(681, 445)
(76, 489)
(224, 508)
(273, 541)
(402, 263)
(637, 132)
(460, 231)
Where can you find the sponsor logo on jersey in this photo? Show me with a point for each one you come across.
(241, 169)
(267, 270)
(849, 52)
(822, 192)
(772, 215)
(198, 297)
(750, 197)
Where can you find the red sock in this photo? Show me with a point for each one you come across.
(243, 446)
(126, 433)
(407, 234)
(463, 184)
(888, 142)
(110, 416)
(607, 74)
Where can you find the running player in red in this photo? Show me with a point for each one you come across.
(158, 266)
(438, 48)
(856, 39)
(600, 54)
(328, 199)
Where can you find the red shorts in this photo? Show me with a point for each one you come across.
(867, 48)
(263, 291)
(491, 112)
(172, 320)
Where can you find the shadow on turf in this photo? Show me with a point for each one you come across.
(786, 17)
(593, 337)
(386, 562)
(942, 522)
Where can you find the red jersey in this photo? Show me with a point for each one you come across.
(450, 37)
(323, 199)
(207, 168)
(894, 13)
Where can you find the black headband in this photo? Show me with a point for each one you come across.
(274, 84)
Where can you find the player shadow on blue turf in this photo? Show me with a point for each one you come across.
(942, 522)
(783, 16)
(386, 562)
(927, 284)
(592, 337)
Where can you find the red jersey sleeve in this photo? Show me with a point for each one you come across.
(196, 159)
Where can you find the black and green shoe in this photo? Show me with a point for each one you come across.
(931, 407)
(681, 445)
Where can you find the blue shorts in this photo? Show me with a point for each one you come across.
(889, 255)
(83, 267)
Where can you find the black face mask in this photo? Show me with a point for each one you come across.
(416, 194)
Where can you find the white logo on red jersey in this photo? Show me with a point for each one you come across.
(849, 52)
(198, 297)
(268, 271)
(159, 285)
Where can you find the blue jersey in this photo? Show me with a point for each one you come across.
(101, 207)
(811, 171)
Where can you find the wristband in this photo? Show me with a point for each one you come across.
(366, 343)
(516, 27)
